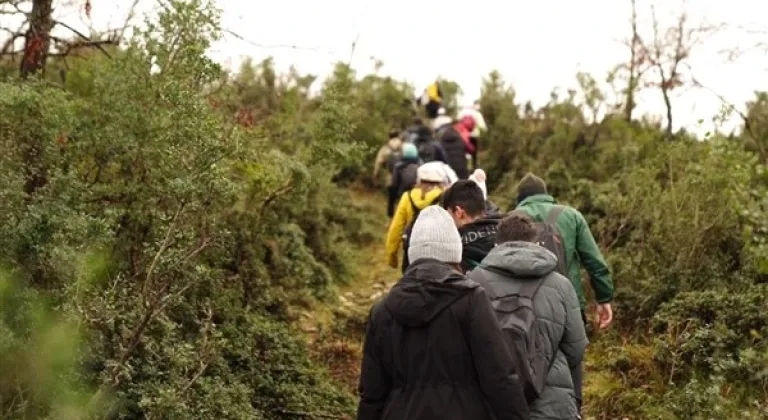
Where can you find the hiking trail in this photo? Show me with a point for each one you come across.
(336, 328)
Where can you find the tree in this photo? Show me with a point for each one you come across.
(635, 68)
(38, 24)
(668, 53)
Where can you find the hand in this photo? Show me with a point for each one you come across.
(604, 315)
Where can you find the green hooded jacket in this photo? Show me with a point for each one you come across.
(580, 247)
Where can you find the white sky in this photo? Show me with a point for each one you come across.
(537, 45)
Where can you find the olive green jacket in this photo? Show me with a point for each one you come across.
(580, 247)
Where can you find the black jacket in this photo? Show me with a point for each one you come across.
(455, 151)
(434, 350)
(404, 177)
(478, 239)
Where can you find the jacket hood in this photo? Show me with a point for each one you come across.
(536, 198)
(422, 201)
(521, 260)
(427, 288)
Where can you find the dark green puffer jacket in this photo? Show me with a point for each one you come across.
(507, 268)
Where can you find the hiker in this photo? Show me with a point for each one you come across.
(404, 176)
(432, 99)
(465, 201)
(429, 188)
(455, 142)
(449, 176)
(580, 250)
(551, 342)
(416, 130)
(433, 348)
(430, 150)
(442, 121)
(388, 155)
(480, 128)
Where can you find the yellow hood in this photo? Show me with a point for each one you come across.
(421, 200)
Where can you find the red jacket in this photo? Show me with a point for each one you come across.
(464, 128)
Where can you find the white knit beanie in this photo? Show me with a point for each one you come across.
(434, 235)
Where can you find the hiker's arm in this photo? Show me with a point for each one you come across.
(395, 233)
(493, 363)
(375, 382)
(593, 261)
(381, 157)
(574, 340)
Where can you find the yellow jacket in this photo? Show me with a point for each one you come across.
(403, 216)
(433, 92)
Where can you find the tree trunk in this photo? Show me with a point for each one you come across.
(668, 104)
(37, 40)
(629, 106)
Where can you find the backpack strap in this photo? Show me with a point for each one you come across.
(554, 214)
(531, 287)
(413, 207)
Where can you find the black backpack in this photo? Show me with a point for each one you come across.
(522, 334)
(409, 228)
(407, 177)
(549, 237)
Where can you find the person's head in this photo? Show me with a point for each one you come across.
(530, 185)
(429, 178)
(465, 202)
(394, 133)
(435, 236)
(468, 122)
(517, 226)
(417, 121)
(410, 152)
(476, 105)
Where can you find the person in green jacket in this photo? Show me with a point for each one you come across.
(580, 246)
(580, 250)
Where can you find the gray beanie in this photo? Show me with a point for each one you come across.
(434, 235)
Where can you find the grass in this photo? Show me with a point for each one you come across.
(337, 328)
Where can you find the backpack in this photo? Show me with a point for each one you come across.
(427, 150)
(549, 237)
(409, 228)
(395, 156)
(407, 178)
(522, 334)
(411, 136)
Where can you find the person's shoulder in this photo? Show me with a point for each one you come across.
(558, 282)
(379, 312)
(574, 213)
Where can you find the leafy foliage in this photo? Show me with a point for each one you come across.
(165, 224)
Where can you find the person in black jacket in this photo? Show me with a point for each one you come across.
(455, 150)
(477, 225)
(433, 347)
(404, 176)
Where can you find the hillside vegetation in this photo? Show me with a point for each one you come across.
(178, 242)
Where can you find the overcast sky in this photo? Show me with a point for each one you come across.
(537, 45)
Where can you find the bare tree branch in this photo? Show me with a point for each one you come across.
(89, 41)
